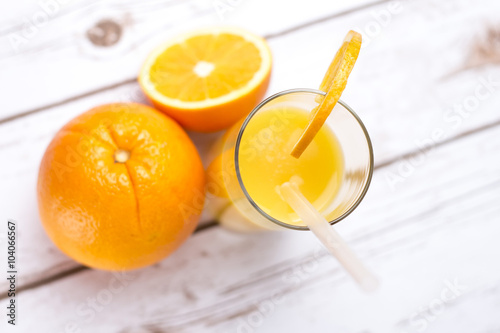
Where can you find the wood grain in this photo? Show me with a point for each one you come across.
(418, 239)
(58, 61)
(438, 223)
(395, 122)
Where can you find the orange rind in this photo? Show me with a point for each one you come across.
(334, 83)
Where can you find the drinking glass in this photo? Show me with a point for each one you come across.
(238, 211)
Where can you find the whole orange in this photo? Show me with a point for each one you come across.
(120, 187)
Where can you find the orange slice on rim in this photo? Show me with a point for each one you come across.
(333, 84)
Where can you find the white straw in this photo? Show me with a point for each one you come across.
(328, 236)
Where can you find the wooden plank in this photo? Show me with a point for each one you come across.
(58, 60)
(439, 228)
(395, 121)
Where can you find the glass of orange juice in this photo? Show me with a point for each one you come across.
(252, 159)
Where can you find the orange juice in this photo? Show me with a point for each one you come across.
(265, 162)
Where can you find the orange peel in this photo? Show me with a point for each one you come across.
(334, 83)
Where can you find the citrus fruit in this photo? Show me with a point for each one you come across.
(120, 187)
(215, 176)
(333, 84)
(208, 79)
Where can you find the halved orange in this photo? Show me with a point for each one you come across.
(208, 79)
(333, 84)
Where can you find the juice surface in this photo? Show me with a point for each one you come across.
(265, 161)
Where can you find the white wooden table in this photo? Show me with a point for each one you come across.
(427, 85)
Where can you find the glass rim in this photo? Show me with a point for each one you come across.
(237, 165)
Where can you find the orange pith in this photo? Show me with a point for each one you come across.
(215, 51)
